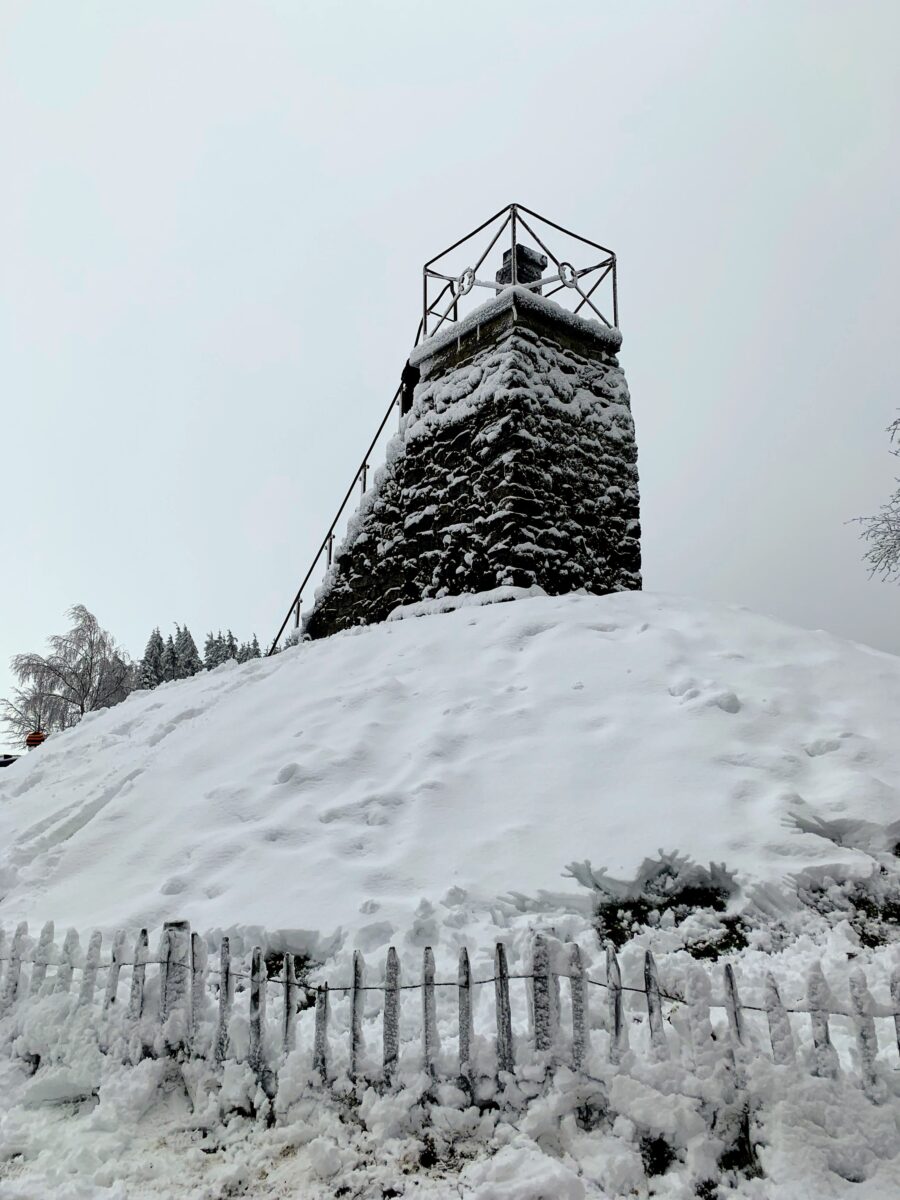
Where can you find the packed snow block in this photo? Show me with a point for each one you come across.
(516, 465)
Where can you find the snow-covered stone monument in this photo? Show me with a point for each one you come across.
(516, 460)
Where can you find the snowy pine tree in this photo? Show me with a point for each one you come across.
(169, 662)
(187, 659)
(248, 650)
(219, 647)
(212, 654)
(150, 666)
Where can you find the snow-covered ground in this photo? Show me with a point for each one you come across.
(341, 784)
(429, 781)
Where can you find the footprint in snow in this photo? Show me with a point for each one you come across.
(684, 689)
(820, 746)
(170, 726)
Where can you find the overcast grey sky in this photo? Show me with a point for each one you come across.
(213, 218)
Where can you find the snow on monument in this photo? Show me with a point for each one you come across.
(516, 460)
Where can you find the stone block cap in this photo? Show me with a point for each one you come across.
(530, 265)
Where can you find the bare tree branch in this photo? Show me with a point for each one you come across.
(85, 670)
(882, 531)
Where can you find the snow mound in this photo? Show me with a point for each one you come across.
(368, 783)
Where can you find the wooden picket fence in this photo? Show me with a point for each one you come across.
(184, 977)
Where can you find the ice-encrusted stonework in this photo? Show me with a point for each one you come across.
(517, 466)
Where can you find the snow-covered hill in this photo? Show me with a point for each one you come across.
(454, 758)
(428, 781)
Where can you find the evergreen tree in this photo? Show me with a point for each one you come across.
(169, 661)
(219, 647)
(187, 659)
(248, 650)
(150, 666)
(211, 651)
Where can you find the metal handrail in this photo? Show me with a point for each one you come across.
(328, 540)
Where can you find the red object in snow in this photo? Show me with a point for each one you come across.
(35, 739)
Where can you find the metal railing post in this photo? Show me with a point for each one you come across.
(514, 272)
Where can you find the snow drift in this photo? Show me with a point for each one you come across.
(360, 783)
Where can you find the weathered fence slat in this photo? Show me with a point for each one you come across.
(391, 1033)
(466, 1028)
(357, 999)
(289, 1009)
(866, 1038)
(735, 1014)
(733, 1006)
(255, 1056)
(578, 993)
(176, 1004)
(555, 1006)
(42, 956)
(431, 1043)
(71, 946)
(89, 974)
(895, 1002)
(226, 997)
(506, 1060)
(199, 967)
(162, 958)
(818, 997)
(699, 1004)
(138, 972)
(542, 995)
(779, 1025)
(618, 1033)
(658, 1044)
(14, 967)
(320, 1042)
(115, 966)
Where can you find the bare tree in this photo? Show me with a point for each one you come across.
(84, 670)
(25, 711)
(882, 531)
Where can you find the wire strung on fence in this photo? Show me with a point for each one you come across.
(183, 973)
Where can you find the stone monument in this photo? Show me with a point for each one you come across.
(515, 464)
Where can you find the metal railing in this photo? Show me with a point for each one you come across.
(460, 282)
(327, 545)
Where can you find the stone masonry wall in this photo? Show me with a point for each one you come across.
(516, 465)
